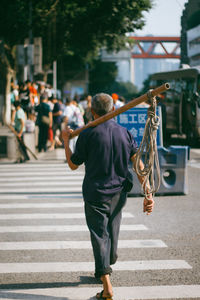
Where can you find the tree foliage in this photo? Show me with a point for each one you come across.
(102, 76)
(72, 27)
(103, 79)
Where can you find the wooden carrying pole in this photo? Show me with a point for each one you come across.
(122, 109)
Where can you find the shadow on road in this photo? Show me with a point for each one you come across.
(7, 293)
(14, 295)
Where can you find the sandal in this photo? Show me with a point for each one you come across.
(100, 296)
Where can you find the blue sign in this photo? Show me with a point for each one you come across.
(134, 120)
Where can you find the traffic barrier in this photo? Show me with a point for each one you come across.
(173, 172)
(8, 147)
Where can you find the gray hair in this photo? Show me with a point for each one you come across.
(102, 104)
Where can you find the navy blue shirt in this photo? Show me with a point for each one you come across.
(106, 151)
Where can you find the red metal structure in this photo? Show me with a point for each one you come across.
(153, 41)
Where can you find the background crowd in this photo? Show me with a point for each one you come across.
(36, 105)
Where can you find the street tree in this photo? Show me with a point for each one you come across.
(71, 29)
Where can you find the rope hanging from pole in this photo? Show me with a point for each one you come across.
(147, 151)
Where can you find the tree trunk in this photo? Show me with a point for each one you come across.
(5, 105)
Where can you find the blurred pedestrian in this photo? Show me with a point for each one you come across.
(14, 96)
(44, 121)
(57, 120)
(116, 101)
(24, 96)
(88, 114)
(30, 122)
(72, 118)
(33, 94)
(20, 119)
(84, 102)
(19, 124)
(62, 106)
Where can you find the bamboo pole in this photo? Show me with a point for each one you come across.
(122, 109)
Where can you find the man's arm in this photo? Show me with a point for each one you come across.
(148, 203)
(68, 153)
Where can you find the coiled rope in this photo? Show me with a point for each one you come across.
(148, 151)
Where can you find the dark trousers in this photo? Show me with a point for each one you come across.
(103, 217)
(43, 136)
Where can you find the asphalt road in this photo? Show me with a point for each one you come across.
(164, 265)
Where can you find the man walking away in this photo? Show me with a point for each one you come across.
(106, 151)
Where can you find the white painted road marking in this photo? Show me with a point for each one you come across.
(50, 197)
(62, 228)
(51, 216)
(44, 189)
(120, 293)
(52, 245)
(4, 180)
(39, 183)
(36, 166)
(42, 205)
(38, 173)
(66, 267)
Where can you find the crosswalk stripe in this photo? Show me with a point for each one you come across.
(63, 228)
(44, 189)
(120, 293)
(58, 245)
(53, 267)
(51, 216)
(42, 205)
(40, 178)
(56, 169)
(12, 197)
(47, 173)
(38, 183)
(35, 165)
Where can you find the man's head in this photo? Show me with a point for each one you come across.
(68, 101)
(102, 104)
(44, 97)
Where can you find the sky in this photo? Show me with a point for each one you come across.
(163, 19)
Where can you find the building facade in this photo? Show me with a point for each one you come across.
(190, 33)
